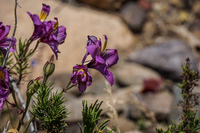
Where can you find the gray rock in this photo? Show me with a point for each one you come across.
(166, 58)
(175, 113)
(132, 73)
(158, 103)
(122, 97)
(126, 125)
(134, 16)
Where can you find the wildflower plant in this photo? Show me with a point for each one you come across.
(48, 105)
(190, 123)
(91, 116)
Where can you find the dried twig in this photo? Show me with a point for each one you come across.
(15, 27)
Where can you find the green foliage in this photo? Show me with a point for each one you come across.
(48, 109)
(9, 61)
(189, 123)
(91, 116)
(22, 62)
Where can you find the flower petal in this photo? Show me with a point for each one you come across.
(105, 72)
(111, 57)
(61, 34)
(82, 86)
(94, 50)
(4, 30)
(44, 12)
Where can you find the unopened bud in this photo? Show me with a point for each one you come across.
(33, 85)
(49, 67)
(20, 111)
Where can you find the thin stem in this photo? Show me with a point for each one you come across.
(29, 122)
(14, 97)
(44, 80)
(15, 28)
(15, 105)
(37, 44)
(28, 99)
(23, 54)
(68, 87)
(9, 114)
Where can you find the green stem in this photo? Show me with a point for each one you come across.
(29, 122)
(23, 55)
(44, 80)
(28, 99)
(68, 86)
(13, 95)
(33, 49)
(9, 114)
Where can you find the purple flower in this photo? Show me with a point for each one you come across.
(4, 40)
(47, 31)
(102, 58)
(81, 77)
(4, 85)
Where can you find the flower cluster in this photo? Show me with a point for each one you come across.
(47, 31)
(81, 77)
(4, 76)
(4, 85)
(4, 40)
(102, 60)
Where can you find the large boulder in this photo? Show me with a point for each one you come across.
(166, 58)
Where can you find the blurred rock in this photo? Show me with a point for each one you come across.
(105, 4)
(166, 58)
(132, 73)
(134, 131)
(122, 97)
(157, 103)
(175, 113)
(134, 112)
(124, 124)
(134, 16)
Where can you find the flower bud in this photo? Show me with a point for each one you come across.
(19, 112)
(33, 85)
(49, 67)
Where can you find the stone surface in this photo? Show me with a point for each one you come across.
(175, 113)
(125, 125)
(135, 131)
(134, 16)
(122, 97)
(166, 58)
(129, 73)
(105, 4)
(159, 103)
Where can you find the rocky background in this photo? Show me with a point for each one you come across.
(153, 38)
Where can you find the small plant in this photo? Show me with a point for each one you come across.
(190, 123)
(91, 116)
(48, 109)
